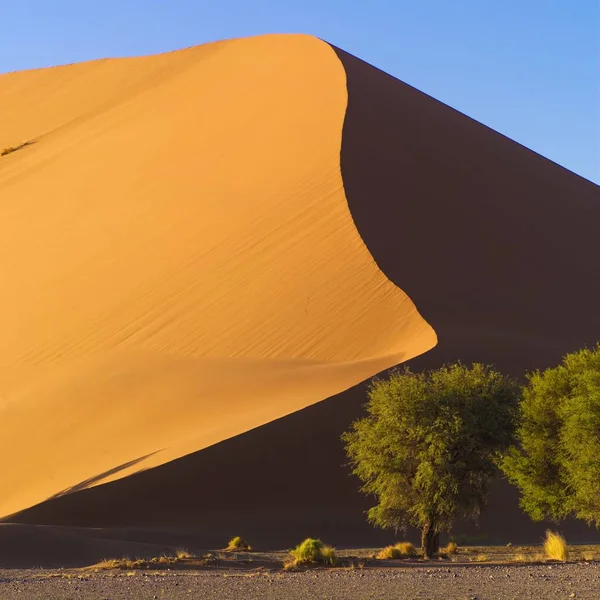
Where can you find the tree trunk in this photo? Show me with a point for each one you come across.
(430, 541)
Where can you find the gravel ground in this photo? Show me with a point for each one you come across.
(486, 582)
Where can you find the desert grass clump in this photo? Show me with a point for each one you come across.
(406, 549)
(162, 560)
(482, 558)
(590, 556)
(450, 548)
(120, 563)
(143, 563)
(520, 557)
(328, 555)
(238, 544)
(555, 546)
(397, 551)
(113, 563)
(312, 552)
(388, 553)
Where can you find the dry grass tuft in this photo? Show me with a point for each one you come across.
(387, 553)
(481, 558)
(397, 551)
(120, 563)
(520, 557)
(162, 560)
(183, 554)
(238, 544)
(590, 556)
(328, 555)
(555, 546)
(141, 563)
(109, 563)
(450, 548)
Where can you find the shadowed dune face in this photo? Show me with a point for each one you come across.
(180, 263)
(496, 246)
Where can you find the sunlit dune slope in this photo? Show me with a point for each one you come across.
(179, 262)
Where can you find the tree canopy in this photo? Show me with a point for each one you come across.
(428, 446)
(556, 463)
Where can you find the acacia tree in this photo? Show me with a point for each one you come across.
(556, 464)
(428, 447)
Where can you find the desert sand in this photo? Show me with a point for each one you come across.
(180, 262)
(202, 242)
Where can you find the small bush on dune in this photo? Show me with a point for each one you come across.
(182, 554)
(238, 544)
(555, 546)
(397, 551)
(312, 551)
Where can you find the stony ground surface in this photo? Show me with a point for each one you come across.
(451, 582)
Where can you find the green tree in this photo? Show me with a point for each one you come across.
(428, 447)
(556, 462)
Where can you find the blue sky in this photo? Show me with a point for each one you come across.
(527, 68)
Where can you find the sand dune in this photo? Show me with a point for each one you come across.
(180, 264)
(201, 242)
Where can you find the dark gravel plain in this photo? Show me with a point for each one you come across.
(485, 582)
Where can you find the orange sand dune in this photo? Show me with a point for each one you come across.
(138, 331)
(180, 264)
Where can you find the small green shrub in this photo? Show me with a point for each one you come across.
(312, 551)
(238, 544)
(555, 546)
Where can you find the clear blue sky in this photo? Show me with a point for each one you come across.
(527, 68)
